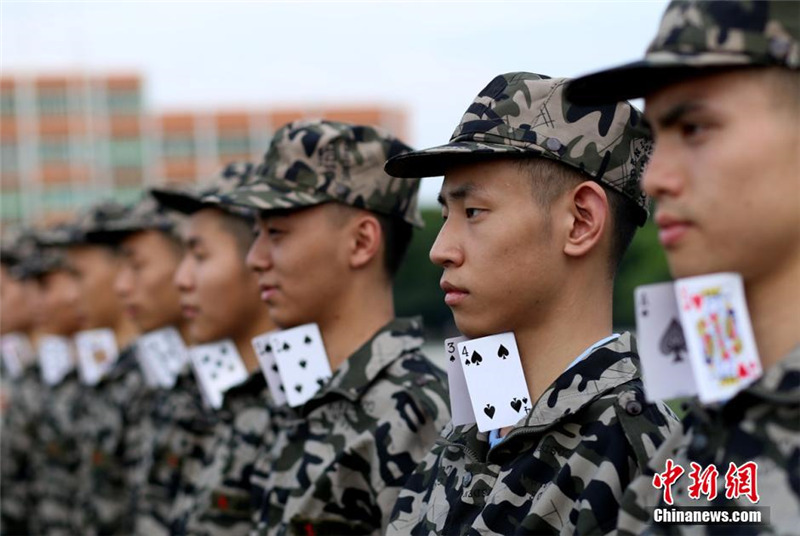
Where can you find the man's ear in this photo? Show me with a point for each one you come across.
(588, 208)
(365, 239)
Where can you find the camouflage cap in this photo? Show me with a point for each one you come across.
(697, 38)
(145, 215)
(16, 245)
(190, 200)
(311, 162)
(525, 115)
(93, 219)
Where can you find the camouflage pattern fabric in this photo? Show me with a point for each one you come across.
(524, 115)
(310, 162)
(145, 215)
(216, 501)
(183, 431)
(701, 37)
(189, 200)
(340, 460)
(96, 218)
(18, 443)
(112, 424)
(561, 470)
(58, 459)
(761, 424)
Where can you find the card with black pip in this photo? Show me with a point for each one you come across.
(97, 353)
(269, 367)
(217, 367)
(460, 405)
(302, 362)
(666, 367)
(495, 379)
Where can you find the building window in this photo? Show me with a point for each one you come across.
(8, 157)
(126, 152)
(7, 104)
(179, 147)
(53, 103)
(124, 102)
(54, 150)
(237, 144)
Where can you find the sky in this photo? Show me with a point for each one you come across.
(429, 58)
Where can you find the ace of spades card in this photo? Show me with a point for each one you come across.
(720, 337)
(460, 405)
(269, 367)
(495, 380)
(302, 362)
(55, 358)
(666, 369)
(217, 367)
(162, 356)
(17, 353)
(97, 354)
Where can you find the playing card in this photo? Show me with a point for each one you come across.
(97, 354)
(302, 362)
(460, 405)
(666, 369)
(162, 356)
(719, 335)
(217, 367)
(17, 353)
(269, 367)
(56, 358)
(495, 380)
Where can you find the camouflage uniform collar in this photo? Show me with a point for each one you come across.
(125, 362)
(781, 382)
(605, 369)
(356, 374)
(253, 385)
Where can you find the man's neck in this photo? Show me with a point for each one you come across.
(352, 322)
(774, 305)
(124, 332)
(260, 325)
(560, 334)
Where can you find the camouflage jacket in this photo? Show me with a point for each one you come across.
(17, 443)
(183, 431)
(340, 460)
(761, 424)
(112, 428)
(216, 492)
(57, 458)
(561, 470)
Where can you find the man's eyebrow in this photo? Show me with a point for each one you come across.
(459, 192)
(674, 114)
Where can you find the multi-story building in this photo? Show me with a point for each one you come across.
(69, 140)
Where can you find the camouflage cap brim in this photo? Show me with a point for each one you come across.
(183, 202)
(642, 78)
(262, 197)
(436, 161)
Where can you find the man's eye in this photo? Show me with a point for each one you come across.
(274, 232)
(472, 212)
(692, 130)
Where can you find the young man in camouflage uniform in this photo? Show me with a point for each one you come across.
(23, 397)
(219, 298)
(721, 83)
(540, 201)
(53, 457)
(148, 240)
(332, 231)
(110, 424)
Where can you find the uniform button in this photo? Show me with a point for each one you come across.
(465, 481)
(553, 144)
(699, 442)
(634, 407)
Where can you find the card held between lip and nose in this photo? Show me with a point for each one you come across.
(97, 353)
(218, 367)
(495, 380)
